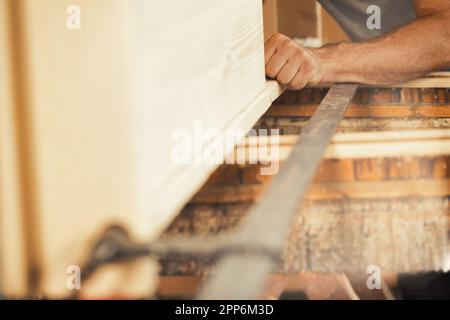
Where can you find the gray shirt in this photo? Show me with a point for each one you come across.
(352, 15)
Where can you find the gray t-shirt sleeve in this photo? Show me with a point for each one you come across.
(352, 15)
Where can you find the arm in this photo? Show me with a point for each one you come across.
(409, 52)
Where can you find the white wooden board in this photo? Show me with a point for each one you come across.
(105, 100)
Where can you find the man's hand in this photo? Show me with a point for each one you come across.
(406, 53)
(292, 64)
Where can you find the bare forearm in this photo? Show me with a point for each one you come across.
(411, 51)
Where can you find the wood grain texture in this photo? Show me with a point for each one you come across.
(373, 96)
(293, 126)
(398, 235)
(75, 86)
(226, 90)
(432, 80)
(344, 170)
(407, 236)
(14, 279)
(351, 145)
(332, 191)
(391, 212)
(98, 97)
(360, 110)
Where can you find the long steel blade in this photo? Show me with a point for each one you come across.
(241, 276)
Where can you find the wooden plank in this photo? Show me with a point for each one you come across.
(14, 272)
(377, 96)
(407, 236)
(388, 189)
(362, 137)
(73, 80)
(197, 175)
(439, 79)
(232, 100)
(293, 126)
(431, 148)
(315, 286)
(93, 115)
(360, 110)
(432, 80)
(386, 144)
(380, 189)
(439, 74)
(337, 170)
(343, 236)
